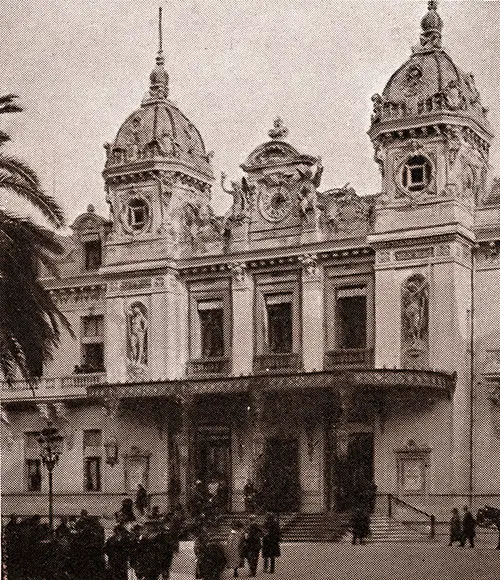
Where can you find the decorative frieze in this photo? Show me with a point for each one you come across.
(414, 253)
(78, 294)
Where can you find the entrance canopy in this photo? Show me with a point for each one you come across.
(378, 379)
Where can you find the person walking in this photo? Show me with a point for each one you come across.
(271, 543)
(235, 547)
(141, 499)
(468, 528)
(253, 544)
(455, 527)
(360, 523)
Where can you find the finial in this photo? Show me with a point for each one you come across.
(158, 88)
(432, 25)
(279, 131)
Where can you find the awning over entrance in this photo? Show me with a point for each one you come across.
(379, 379)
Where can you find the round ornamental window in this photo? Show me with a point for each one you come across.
(137, 214)
(417, 173)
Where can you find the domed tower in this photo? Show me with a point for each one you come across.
(429, 128)
(157, 173)
(155, 166)
(431, 139)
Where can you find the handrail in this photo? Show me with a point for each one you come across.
(432, 518)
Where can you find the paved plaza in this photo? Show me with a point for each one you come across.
(370, 562)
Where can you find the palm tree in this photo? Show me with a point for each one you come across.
(30, 321)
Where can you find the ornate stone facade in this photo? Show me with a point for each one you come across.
(300, 333)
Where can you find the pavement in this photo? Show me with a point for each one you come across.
(368, 562)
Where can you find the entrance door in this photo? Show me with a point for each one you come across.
(355, 473)
(213, 465)
(280, 483)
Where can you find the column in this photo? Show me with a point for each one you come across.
(257, 435)
(312, 313)
(183, 444)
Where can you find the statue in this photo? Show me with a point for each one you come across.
(308, 199)
(137, 329)
(378, 105)
(415, 309)
(242, 198)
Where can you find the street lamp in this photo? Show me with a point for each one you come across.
(51, 443)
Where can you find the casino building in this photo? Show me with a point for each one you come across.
(305, 340)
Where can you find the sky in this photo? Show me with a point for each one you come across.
(81, 67)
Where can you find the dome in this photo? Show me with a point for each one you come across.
(429, 82)
(159, 131)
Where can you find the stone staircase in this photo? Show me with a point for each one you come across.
(225, 521)
(322, 527)
(388, 530)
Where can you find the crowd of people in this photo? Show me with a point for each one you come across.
(142, 546)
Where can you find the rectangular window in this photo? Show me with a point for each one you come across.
(92, 344)
(279, 314)
(92, 459)
(93, 326)
(211, 318)
(33, 470)
(351, 317)
(92, 474)
(92, 358)
(93, 254)
(92, 438)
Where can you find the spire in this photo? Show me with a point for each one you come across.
(432, 25)
(158, 79)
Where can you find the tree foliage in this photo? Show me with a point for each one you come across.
(30, 322)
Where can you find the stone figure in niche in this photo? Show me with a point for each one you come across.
(242, 198)
(137, 330)
(307, 192)
(415, 310)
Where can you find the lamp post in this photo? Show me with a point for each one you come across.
(50, 442)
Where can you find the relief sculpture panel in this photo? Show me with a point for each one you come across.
(415, 322)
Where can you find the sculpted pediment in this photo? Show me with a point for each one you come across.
(274, 153)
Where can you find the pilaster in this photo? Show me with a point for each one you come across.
(312, 313)
(243, 319)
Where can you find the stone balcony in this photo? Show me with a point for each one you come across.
(277, 362)
(74, 385)
(208, 366)
(349, 357)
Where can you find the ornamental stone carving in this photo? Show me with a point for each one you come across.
(243, 199)
(309, 264)
(239, 272)
(307, 191)
(137, 337)
(415, 322)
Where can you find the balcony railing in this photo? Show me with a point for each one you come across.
(75, 381)
(349, 357)
(276, 362)
(209, 366)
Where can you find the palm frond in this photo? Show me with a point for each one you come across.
(40, 200)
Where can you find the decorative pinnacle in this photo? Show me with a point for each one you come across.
(158, 79)
(279, 131)
(432, 25)
(159, 57)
